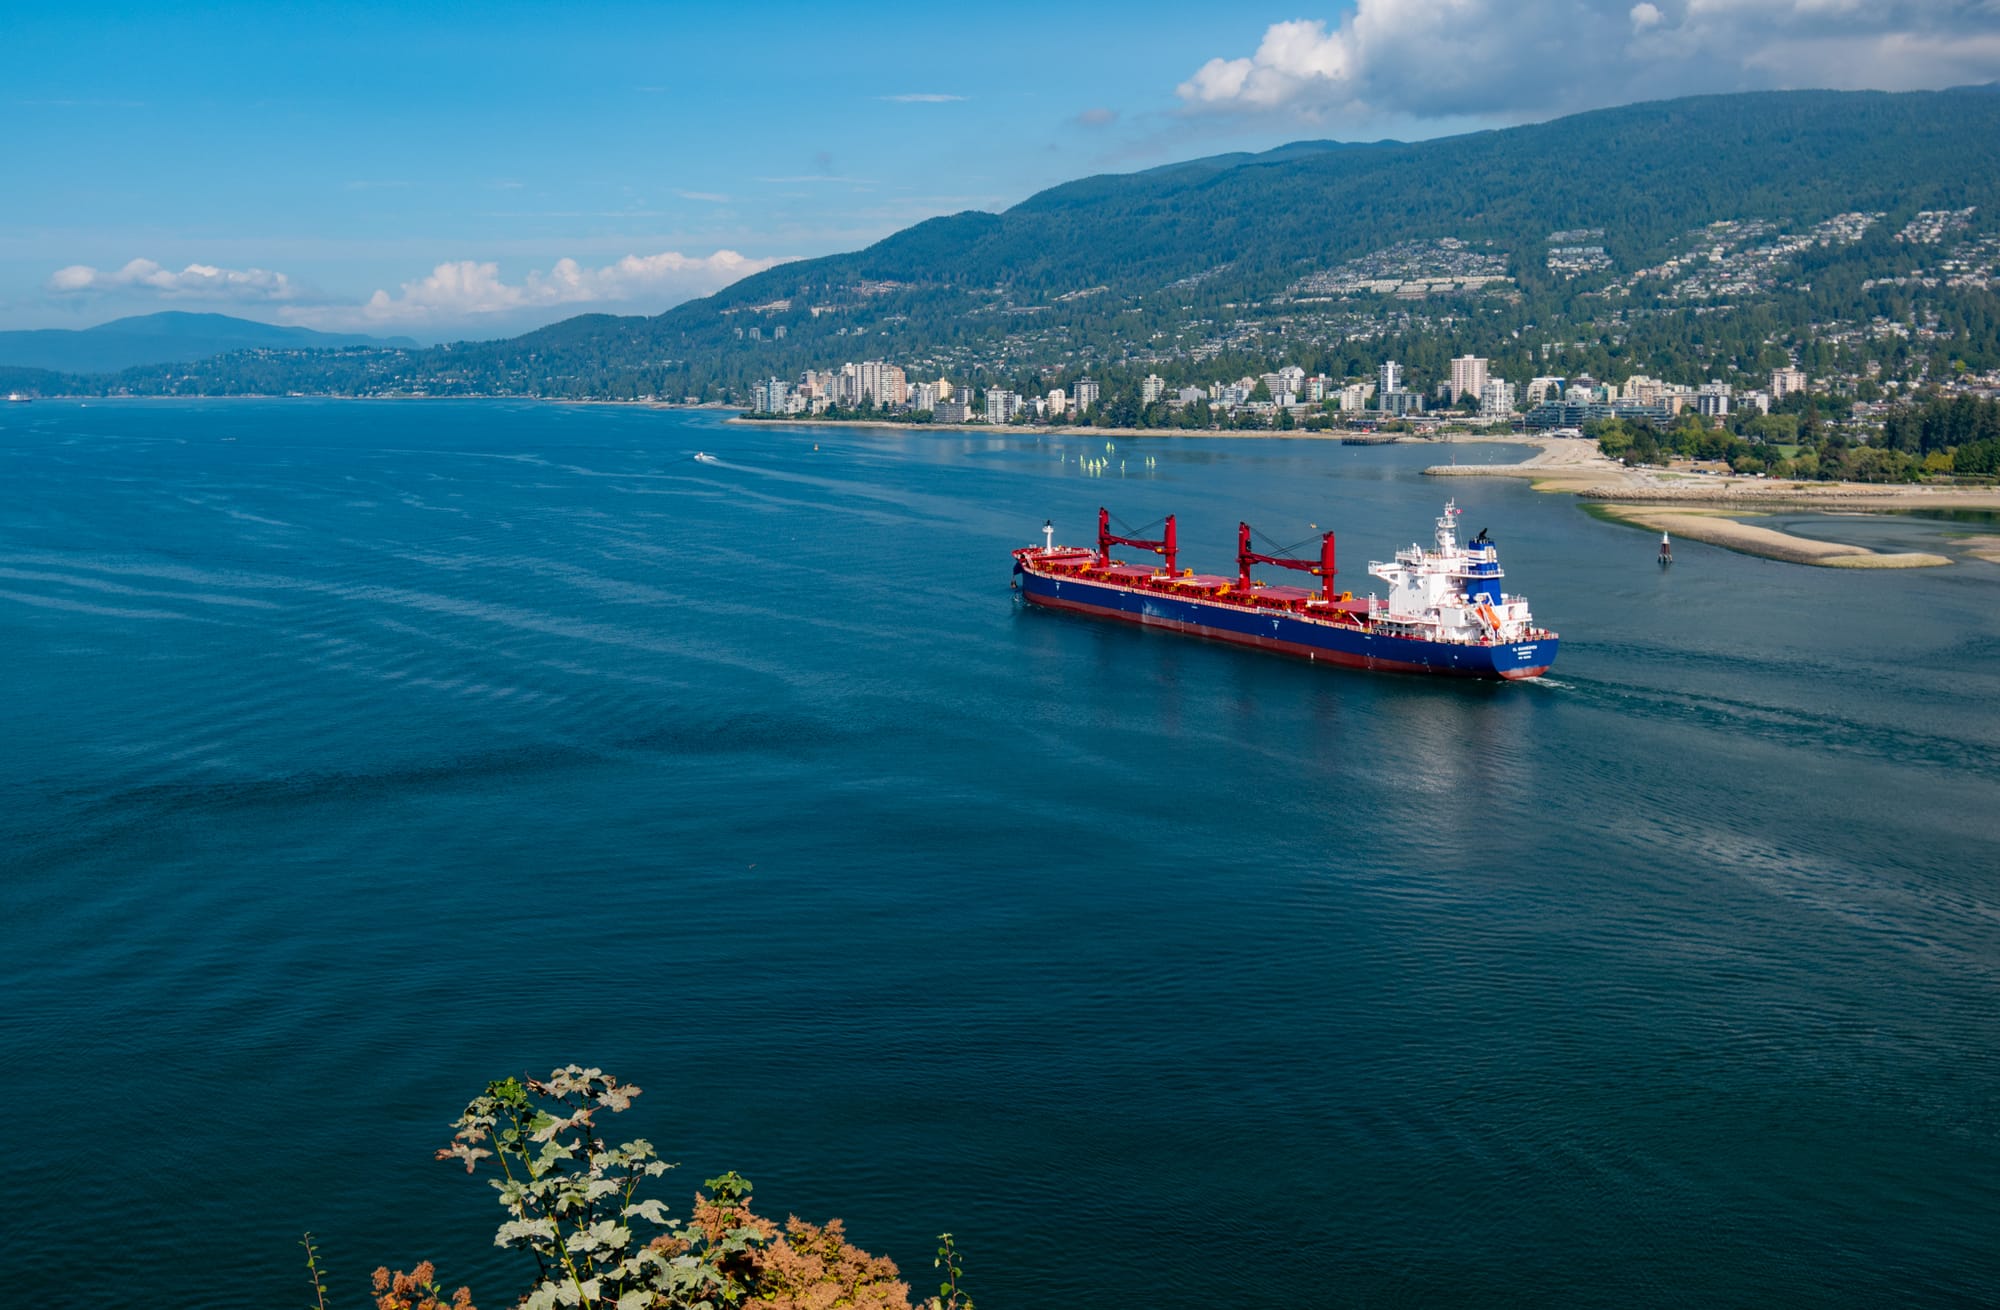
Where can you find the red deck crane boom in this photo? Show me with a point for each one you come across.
(1321, 567)
(1167, 545)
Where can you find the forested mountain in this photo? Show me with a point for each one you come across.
(168, 337)
(1695, 236)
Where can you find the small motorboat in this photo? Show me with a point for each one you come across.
(704, 457)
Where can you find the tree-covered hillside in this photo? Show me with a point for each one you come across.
(1589, 236)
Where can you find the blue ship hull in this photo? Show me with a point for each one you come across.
(1311, 639)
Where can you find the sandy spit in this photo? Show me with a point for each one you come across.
(1717, 529)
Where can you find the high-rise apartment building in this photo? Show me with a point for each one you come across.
(882, 383)
(1468, 377)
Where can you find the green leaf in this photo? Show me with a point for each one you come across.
(651, 1209)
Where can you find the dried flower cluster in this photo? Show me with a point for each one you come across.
(814, 1268)
(417, 1290)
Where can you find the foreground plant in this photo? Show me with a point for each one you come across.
(314, 1272)
(573, 1202)
(949, 1296)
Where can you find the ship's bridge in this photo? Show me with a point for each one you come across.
(1452, 591)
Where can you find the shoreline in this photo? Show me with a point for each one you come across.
(1704, 507)
(1007, 429)
(1710, 507)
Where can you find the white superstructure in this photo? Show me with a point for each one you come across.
(1449, 593)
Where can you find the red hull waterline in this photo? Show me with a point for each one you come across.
(1300, 649)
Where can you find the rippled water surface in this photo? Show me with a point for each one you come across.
(356, 754)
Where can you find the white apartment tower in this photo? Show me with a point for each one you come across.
(1468, 377)
(1785, 381)
(1391, 377)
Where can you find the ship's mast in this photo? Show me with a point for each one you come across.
(1447, 533)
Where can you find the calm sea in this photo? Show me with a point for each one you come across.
(356, 754)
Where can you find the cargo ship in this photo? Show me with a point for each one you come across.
(1445, 612)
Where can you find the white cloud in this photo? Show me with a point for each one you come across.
(195, 282)
(468, 289)
(1502, 58)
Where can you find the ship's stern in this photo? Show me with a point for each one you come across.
(1526, 659)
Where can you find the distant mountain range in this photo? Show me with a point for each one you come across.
(1694, 238)
(165, 338)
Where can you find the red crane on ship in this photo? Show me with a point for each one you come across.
(1321, 568)
(1166, 545)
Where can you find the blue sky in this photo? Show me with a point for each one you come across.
(472, 170)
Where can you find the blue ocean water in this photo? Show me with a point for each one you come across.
(358, 753)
